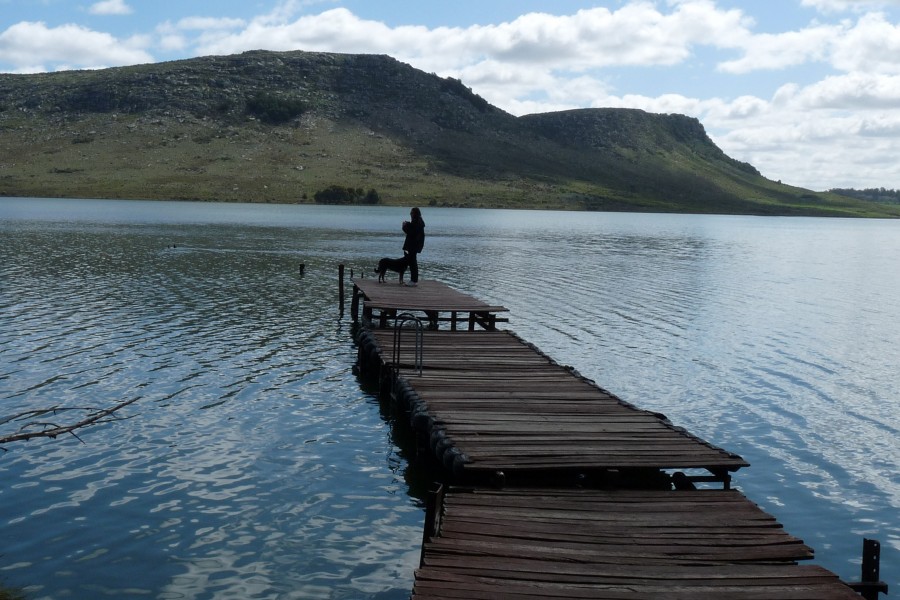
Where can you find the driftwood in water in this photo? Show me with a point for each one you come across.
(36, 426)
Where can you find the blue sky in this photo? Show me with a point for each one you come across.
(808, 91)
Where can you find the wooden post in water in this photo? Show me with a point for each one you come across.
(354, 303)
(341, 286)
(870, 585)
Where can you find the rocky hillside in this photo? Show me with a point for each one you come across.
(278, 127)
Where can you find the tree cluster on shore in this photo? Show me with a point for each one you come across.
(338, 194)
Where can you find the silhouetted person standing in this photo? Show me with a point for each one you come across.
(414, 242)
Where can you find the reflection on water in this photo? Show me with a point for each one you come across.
(254, 465)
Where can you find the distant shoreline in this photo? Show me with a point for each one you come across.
(525, 206)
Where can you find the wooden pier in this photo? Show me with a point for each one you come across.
(491, 405)
(557, 543)
(560, 489)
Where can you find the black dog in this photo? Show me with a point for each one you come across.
(397, 265)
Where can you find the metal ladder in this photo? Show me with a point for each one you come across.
(399, 322)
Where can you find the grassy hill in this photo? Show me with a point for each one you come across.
(280, 126)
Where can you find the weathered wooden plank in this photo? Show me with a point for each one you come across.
(643, 554)
(606, 533)
(484, 588)
(673, 574)
(537, 467)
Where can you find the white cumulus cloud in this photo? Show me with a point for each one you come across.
(835, 6)
(110, 7)
(34, 43)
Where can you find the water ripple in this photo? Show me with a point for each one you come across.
(253, 464)
(240, 471)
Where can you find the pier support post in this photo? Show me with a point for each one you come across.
(341, 286)
(434, 506)
(870, 586)
(354, 303)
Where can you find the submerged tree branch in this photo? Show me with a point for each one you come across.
(38, 429)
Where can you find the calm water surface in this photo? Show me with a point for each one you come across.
(254, 464)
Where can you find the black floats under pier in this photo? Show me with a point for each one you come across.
(553, 487)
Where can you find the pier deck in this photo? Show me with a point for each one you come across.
(438, 301)
(554, 543)
(487, 401)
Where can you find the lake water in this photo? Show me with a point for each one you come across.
(254, 464)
